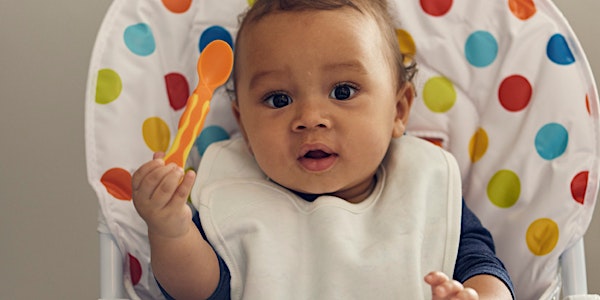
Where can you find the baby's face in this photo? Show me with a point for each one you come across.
(317, 101)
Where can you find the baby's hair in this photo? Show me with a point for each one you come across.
(377, 9)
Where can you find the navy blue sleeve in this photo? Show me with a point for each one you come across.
(477, 253)
(223, 291)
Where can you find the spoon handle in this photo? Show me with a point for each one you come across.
(190, 124)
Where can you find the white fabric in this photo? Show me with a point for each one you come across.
(279, 246)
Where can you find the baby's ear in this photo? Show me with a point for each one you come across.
(236, 113)
(404, 100)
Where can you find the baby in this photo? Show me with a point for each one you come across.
(324, 197)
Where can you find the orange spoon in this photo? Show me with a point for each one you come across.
(214, 67)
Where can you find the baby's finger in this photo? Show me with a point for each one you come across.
(147, 183)
(467, 294)
(158, 155)
(435, 278)
(183, 190)
(164, 191)
(143, 171)
(446, 289)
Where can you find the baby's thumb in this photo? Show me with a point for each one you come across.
(158, 155)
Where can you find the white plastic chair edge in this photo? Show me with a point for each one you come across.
(573, 270)
(111, 264)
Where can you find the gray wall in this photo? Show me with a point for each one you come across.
(48, 240)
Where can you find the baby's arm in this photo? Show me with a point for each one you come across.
(476, 287)
(182, 261)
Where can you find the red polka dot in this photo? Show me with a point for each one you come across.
(135, 269)
(579, 186)
(117, 182)
(178, 90)
(515, 93)
(436, 8)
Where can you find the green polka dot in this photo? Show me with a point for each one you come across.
(108, 87)
(439, 94)
(504, 188)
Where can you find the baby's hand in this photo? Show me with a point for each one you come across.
(444, 288)
(160, 194)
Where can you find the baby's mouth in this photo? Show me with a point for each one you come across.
(317, 159)
(316, 154)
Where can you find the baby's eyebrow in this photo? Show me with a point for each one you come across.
(346, 66)
(256, 77)
(354, 66)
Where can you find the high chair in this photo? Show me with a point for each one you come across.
(503, 84)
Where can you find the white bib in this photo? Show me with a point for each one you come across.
(279, 246)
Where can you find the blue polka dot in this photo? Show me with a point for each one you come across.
(209, 135)
(214, 33)
(481, 49)
(558, 50)
(551, 141)
(139, 39)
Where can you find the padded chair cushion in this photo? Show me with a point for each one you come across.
(504, 85)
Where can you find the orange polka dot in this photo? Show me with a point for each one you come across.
(117, 182)
(177, 6)
(587, 104)
(436, 141)
(522, 9)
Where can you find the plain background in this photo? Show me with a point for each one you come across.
(48, 212)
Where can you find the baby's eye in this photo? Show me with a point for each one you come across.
(343, 91)
(278, 100)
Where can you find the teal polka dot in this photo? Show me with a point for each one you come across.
(481, 49)
(139, 39)
(209, 135)
(558, 50)
(551, 141)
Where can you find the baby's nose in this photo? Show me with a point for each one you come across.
(311, 116)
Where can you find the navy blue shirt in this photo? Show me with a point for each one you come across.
(476, 255)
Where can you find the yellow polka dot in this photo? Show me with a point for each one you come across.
(504, 188)
(478, 145)
(407, 45)
(156, 134)
(439, 94)
(542, 236)
(108, 86)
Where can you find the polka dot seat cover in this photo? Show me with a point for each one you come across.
(504, 85)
